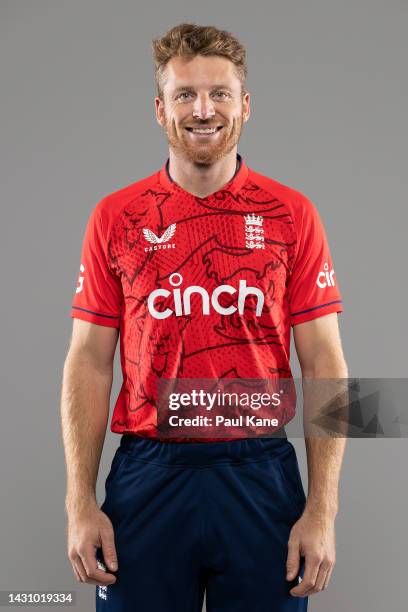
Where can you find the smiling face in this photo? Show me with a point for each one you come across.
(202, 110)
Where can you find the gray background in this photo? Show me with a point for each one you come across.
(329, 91)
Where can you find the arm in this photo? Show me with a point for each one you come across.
(319, 349)
(86, 387)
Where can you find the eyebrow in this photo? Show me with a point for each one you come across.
(189, 88)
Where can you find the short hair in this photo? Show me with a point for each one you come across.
(188, 40)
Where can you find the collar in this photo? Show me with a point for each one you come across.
(233, 185)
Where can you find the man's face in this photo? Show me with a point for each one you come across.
(204, 92)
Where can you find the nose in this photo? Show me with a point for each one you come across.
(203, 107)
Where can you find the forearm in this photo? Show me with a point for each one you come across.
(84, 415)
(325, 386)
(324, 459)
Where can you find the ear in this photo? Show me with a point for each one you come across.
(246, 106)
(159, 108)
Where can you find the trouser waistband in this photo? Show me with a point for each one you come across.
(203, 453)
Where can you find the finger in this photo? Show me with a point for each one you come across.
(86, 579)
(79, 568)
(108, 549)
(328, 576)
(77, 576)
(312, 565)
(293, 560)
(88, 559)
(321, 577)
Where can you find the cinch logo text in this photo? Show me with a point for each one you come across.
(325, 278)
(182, 305)
(80, 285)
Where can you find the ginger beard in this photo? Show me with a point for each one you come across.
(206, 152)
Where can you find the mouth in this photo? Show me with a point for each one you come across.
(204, 131)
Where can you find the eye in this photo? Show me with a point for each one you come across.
(220, 94)
(183, 95)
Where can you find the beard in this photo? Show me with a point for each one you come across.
(203, 153)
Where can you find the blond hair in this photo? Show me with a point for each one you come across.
(188, 40)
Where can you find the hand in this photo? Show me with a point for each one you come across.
(313, 537)
(87, 531)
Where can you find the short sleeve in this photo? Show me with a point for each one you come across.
(313, 289)
(98, 295)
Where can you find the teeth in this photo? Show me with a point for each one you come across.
(204, 130)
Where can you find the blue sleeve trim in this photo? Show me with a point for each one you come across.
(315, 307)
(97, 314)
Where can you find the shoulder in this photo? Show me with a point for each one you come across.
(300, 205)
(111, 205)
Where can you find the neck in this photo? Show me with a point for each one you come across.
(202, 180)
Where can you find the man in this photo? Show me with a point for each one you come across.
(173, 265)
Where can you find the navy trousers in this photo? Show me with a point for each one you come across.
(210, 517)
